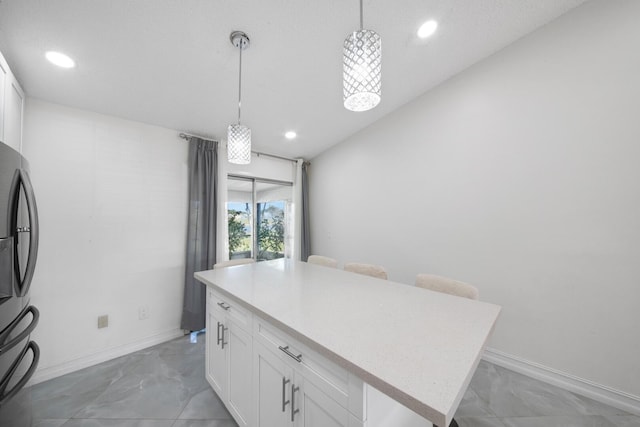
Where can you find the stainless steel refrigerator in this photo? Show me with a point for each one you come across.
(18, 252)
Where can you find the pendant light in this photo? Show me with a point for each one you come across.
(362, 69)
(238, 135)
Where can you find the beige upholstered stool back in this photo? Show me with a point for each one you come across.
(322, 260)
(366, 269)
(447, 286)
(231, 262)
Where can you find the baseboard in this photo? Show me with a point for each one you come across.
(50, 372)
(616, 398)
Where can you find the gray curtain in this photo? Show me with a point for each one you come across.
(201, 228)
(305, 238)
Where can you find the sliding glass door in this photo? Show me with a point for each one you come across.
(259, 218)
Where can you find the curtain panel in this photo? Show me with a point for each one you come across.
(305, 229)
(201, 228)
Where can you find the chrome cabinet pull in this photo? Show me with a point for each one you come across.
(293, 401)
(284, 392)
(219, 338)
(298, 358)
(223, 330)
(224, 306)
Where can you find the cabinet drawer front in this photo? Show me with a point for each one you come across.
(316, 369)
(241, 316)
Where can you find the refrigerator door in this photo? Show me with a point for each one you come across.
(6, 270)
(24, 222)
(18, 251)
(15, 399)
(16, 367)
(10, 161)
(20, 372)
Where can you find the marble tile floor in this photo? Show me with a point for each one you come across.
(164, 386)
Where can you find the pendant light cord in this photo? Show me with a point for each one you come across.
(361, 19)
(240, 81)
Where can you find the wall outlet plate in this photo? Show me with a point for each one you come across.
(103, 321)
(143, 312)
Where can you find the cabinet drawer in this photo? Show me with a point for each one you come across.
(234, 311)
(333, 380)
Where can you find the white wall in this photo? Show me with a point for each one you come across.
(520, 175)
(112, 199)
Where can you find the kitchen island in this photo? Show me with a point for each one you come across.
(300, 340)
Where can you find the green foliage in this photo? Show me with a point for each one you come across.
(271, 231)
(238, 239)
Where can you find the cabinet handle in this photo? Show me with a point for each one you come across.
(219, 338)
(222, 340)
(293, 401)
(284, 392)
(224, 306)
(298, 358)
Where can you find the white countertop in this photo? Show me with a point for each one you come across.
(417, 346)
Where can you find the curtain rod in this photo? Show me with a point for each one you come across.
(186, 136)
(189, 135)
(258, 153)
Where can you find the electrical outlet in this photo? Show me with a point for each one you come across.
(103, 321)
(143, 312)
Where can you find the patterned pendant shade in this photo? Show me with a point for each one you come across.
(362, 70)
(238, 135)
(239, 144)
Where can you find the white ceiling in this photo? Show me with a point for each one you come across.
(170, 62)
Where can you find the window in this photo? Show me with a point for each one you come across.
(259, 218)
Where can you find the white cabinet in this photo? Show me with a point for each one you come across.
(4, 77)
(319, 410)
(14, 105)
(216, 356)
(266, 378)
(297, 387)
(11, 107)
(286, 398)
(228, 358)
(273, 388)
(240, 375)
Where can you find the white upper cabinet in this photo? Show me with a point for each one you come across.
(11, 107)
(4, 76)
(13, 111)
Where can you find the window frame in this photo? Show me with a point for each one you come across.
(254, 205)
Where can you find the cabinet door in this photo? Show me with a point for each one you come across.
(317, 409)
(4, 72)
(216, 369)
(239, 354)
(273, 382)
(14, 102)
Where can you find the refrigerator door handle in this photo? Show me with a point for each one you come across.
(25, 282)
(5, 395)
(4, 335)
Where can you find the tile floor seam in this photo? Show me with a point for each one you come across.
(184, 407)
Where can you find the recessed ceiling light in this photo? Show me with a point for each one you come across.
(60, 59)
(290, 135)
(427, 29)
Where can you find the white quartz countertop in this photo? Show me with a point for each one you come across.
(419, 347)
